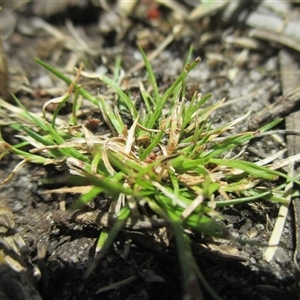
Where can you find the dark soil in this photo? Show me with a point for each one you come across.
(156, 270)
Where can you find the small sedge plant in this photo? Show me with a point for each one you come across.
(171, 162)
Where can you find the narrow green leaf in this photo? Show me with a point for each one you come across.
(248, 167)
(87, 197)
(124, 98)
(151, 76)
(68, 81)
(152, 145)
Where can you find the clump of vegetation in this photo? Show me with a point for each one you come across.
(168, 165)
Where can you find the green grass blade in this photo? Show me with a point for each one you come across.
(68, 81)
(152, 145)
(87, 197)
(250, 168)
(122, 96)
(190, 279)
(151, 76)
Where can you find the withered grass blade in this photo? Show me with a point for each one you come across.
(4, 81)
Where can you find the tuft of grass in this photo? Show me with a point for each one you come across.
(167, 162)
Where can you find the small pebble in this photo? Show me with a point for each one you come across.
(255, 75)
(260, 227)
(281, 256)
(42, 82)
(101, 70)
(253, 260)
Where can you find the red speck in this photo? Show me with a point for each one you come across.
(153, 13)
